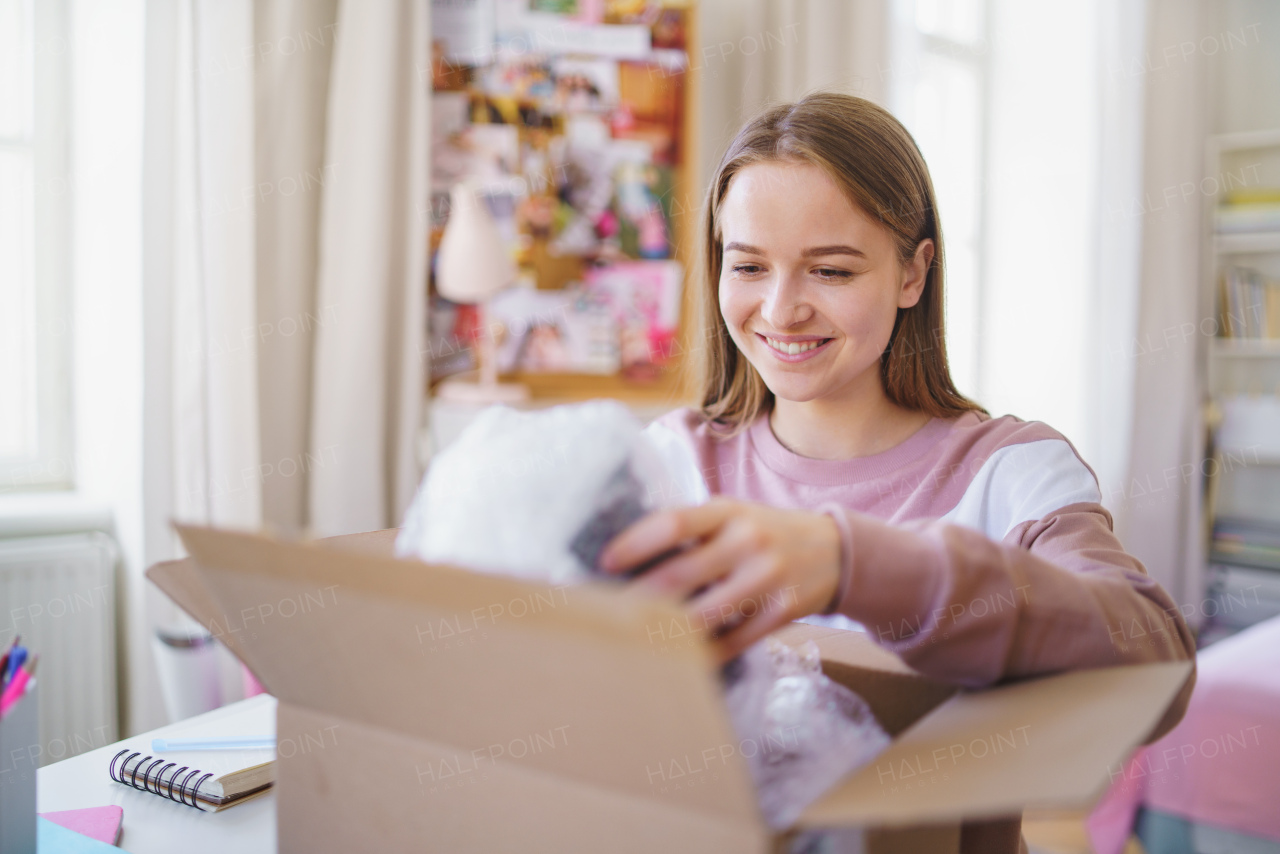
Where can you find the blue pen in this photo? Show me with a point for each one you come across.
(4, 659)
(16, 658)
(233, 742)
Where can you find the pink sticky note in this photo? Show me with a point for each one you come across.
(100, 823)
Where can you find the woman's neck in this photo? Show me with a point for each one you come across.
(843, 429)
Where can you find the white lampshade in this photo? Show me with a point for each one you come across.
(473, 263)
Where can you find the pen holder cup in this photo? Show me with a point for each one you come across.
(19, 753)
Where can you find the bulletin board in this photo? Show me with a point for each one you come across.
(574, 117)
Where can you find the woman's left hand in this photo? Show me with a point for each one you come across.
(748, 568)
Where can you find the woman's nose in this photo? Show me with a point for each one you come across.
(785, 304)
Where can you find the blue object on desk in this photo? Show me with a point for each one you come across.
(55, 839)
(229, 742)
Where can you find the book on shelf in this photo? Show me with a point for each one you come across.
(1248, 210)
(1249, 302)
(1245, 219)
(1241, 596)
(1246, 542)
(1247, 430)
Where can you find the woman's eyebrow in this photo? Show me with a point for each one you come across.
(832, 250)
(812, 252)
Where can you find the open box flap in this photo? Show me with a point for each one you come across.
(178, 578)
(181, 582)
(374, 542)
(844, 646)
(441, 654)
(1049, 742)
(898, 696)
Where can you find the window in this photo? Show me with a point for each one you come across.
(1024, 136)
(937, 87)
(35, 189)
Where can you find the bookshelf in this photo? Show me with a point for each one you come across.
(657, 93)
(1246, 244)
(1241, 474)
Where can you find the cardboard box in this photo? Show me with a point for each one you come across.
(432, 708)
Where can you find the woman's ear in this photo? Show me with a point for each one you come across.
(916, 273)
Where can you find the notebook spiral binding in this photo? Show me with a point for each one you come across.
(186, 793)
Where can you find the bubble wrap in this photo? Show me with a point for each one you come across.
(539, 494)
(806, 731)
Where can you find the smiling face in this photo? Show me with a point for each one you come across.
(809, 284)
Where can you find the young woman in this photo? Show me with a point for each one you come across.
(847, 475)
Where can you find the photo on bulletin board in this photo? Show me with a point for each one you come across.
(560, 7)
(631, 11)
(585, 84)
(528, 77)
(570, 329)
(642, 194)
(670, 30)
(644, 300)
(451, 331)
(466, 28)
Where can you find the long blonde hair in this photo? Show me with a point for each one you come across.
(874, 160)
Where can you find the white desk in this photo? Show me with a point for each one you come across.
(156, 825)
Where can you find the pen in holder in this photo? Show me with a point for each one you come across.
(19, 750)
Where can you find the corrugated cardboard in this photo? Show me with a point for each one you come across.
(431, 708)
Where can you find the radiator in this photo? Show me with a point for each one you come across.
(58, 593)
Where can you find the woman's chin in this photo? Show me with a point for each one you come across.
(788, 389)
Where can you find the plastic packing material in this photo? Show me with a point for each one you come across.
(539, 494)
(801, 732)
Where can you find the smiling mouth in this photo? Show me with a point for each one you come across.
(795, 347)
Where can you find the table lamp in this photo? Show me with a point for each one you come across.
(472, 266)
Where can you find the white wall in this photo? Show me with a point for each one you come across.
(106, 163)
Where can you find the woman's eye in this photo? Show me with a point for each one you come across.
(829, 273)
(746, 269)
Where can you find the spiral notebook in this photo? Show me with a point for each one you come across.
(209, 780)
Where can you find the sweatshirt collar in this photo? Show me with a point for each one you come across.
(824, 472)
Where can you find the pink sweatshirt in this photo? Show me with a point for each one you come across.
(977, 549)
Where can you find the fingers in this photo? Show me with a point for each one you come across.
(733, 643)
(746, 606)
(660, 532)
(703, 564)
(747, 568)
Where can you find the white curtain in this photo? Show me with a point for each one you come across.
(1117, 283)
(284, 254)
(296, 42)
(753, 52)
(1163, 524)
(216, 447)
(369, 388)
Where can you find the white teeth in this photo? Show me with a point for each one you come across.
(793, 348)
